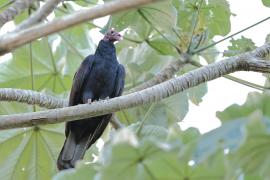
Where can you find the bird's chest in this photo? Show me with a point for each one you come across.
(101, 80)
(104, 73)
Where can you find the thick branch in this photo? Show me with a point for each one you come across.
(39, 15)
(16, 8)
(31, 97)
(50, 102)
(152, 94)
(14, 40)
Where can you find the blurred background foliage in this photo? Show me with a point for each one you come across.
(152, 146)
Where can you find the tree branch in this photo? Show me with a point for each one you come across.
(167, 73)
(31, 97)
(244, 62)
(50, 102)
(116, 122)
(11, 41)
(39, 15)
(16, 8)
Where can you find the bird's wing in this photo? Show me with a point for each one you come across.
(103, 120)
(78, 80)
(119, 81)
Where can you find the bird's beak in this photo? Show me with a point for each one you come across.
(119, 37)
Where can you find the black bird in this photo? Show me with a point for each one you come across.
(100, 76)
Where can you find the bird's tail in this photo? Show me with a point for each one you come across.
(72, 151)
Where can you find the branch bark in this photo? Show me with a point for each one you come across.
(245, 62)
(39, 15)
(51, 102)
(11, 41)
(13, 10)
(31, 97)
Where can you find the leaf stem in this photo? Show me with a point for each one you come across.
(194, 26)
(145, 118)
(238, 80)
(31, 70)
(156, 29)
(230, 36)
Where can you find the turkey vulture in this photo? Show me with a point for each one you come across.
(99, 76)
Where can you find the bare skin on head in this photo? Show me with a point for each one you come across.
(112, 36)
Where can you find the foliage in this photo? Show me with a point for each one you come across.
(239, 46)
(152, 146)
(266, 3)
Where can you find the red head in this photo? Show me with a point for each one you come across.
(112, 36)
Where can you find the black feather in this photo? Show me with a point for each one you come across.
(98, 77)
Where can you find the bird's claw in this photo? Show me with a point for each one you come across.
(89, 101)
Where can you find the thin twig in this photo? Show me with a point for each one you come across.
(156, 29)
(194, 26)
(39, 15)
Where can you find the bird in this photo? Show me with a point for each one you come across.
(100, 76)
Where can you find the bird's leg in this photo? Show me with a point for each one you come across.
(89, 101)
(87, 97)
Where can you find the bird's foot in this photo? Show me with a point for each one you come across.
(107, 98)
(89, 101)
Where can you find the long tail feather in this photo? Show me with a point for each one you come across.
(74, 150)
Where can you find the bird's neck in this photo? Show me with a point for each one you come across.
(106, 49)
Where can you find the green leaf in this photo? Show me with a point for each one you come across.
(229, 136)
(164, 113)
(239, 46)
(83, 171)
(196, 94)
(151, 159)
(214, 17)
(16, 72)
(142, 63)
(253, 157)
(211, 54)
(187, 136)
(255, 103)
(154, 114)
(218, 17)
(147, 160)
(86, 3)
(149, 131)
(161, 15)
(162, 46)
(176, 107)
(29, 153)
(267, 38)
(266, 3)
